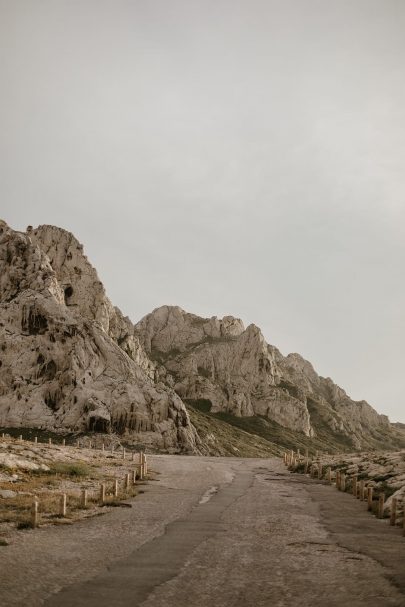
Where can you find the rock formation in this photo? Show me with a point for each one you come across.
(236, 371)
(69, 360)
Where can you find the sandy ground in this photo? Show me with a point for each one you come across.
(214, 531)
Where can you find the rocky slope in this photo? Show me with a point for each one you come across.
(69, 360)
(384, 471)
(223, 367)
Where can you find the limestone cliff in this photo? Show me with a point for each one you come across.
(69, 360)
(234, 370)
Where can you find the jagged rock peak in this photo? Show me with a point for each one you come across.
(24, 267)
(78, 279)
(169, 328)
(69, 360)
(235, 371)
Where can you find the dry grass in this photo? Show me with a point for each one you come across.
(17, 510)
(69, 477)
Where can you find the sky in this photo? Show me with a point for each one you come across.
(229, 157)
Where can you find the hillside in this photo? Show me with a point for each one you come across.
(175, 382)
(69, 360)
(249, 383)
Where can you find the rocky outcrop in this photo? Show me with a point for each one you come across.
(69, 360)
(233, 369)
(84, 293)
(221, 361)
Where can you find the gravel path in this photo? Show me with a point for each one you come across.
(214, 531)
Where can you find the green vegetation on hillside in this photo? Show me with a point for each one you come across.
(221, 438)
(234, 435)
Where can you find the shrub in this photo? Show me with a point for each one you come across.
(67, 469)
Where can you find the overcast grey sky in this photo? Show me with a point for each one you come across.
(230, 157)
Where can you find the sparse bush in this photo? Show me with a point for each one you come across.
(24, 525)
(70, 469)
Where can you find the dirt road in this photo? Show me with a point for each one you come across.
(214, 532)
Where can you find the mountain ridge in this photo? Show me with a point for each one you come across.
(239, 373)
(70, 360)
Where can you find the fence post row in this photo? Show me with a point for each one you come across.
(128, 479)
(359, 488)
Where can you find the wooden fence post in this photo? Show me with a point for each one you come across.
(64, 442)
(381, 501)
(361, 490)
(62, 505)
(343, 481)
(49, 441)
(133, 477)
(393, 517)
(123, 452)
(34, 513)
(35, 439)
(369, 498)
(127, 477)
(83, 500)
(354, 486)
(116, 488)
(319, 470)
(329, 474)
(102, 493)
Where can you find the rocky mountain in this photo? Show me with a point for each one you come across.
(69, 360)
(218, 365)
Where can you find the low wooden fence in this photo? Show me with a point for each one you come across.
(361, 489)
(107, 489)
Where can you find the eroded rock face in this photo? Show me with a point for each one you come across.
(70, 360)
(68, 357)
(238, 372)
(221, 361)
